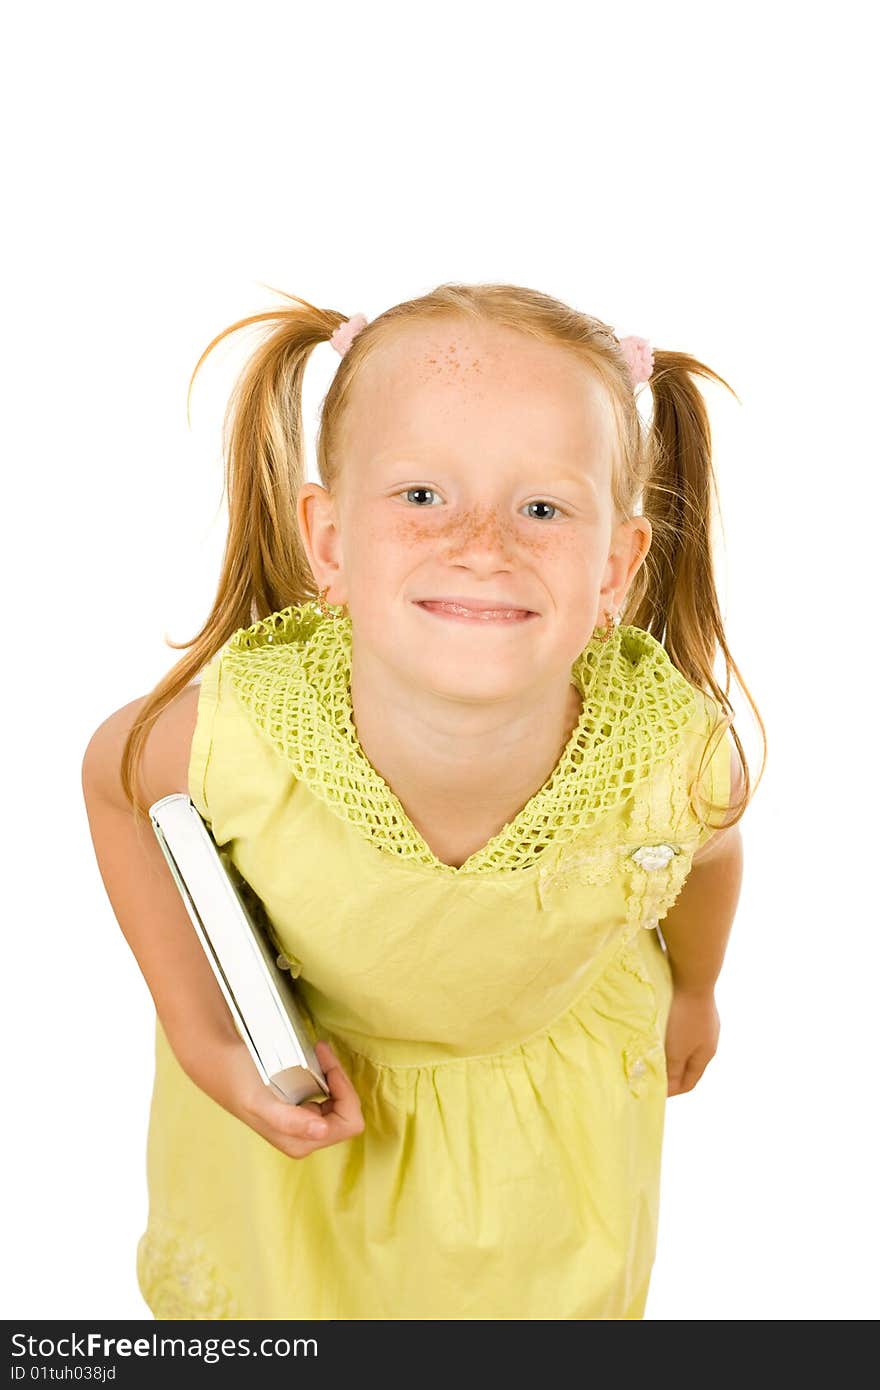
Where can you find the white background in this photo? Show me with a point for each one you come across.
(698, 175)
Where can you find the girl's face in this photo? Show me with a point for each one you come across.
(477, 466)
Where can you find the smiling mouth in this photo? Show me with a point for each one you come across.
(447, 608)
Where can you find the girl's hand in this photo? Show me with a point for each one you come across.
(692, 1033)
(237, 1086)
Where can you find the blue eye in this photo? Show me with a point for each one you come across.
(539, 503)
(408, 490)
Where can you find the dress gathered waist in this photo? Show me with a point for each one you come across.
(401, 1054)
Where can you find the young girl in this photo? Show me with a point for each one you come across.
(467, 793)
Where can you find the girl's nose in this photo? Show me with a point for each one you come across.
(476, 535)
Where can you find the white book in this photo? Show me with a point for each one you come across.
(235, 933)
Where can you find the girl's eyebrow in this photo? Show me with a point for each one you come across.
(579, 479)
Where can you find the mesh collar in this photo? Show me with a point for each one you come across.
(291, 673)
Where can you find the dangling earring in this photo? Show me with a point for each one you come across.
(612, 619)
(330, 610)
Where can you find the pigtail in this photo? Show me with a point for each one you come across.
(265, 566)
(674, 595)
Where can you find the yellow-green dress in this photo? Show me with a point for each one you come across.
(502, 1022)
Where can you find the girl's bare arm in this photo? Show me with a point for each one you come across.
(697, 926)
(142, 891)
(147, 905)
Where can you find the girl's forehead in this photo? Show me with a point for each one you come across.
(481, 375)
(461, 354)
(480, 385)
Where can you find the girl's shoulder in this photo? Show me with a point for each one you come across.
(164, 765)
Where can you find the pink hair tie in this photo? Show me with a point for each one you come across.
(342, 337)
(639, 358)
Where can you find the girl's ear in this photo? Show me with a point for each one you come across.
(631, 543)
(641, 533)
(318, 524)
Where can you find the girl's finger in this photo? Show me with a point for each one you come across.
(345, 1115)
(293, 1120)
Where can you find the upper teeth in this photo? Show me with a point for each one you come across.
(480, 612)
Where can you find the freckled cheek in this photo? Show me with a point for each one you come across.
(412, 534)
(389, 542)
(381, 533)
(387, 548)
(563, 558)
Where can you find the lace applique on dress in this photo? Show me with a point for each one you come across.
(178, 1277)
(643, 1055)
(291, 673)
